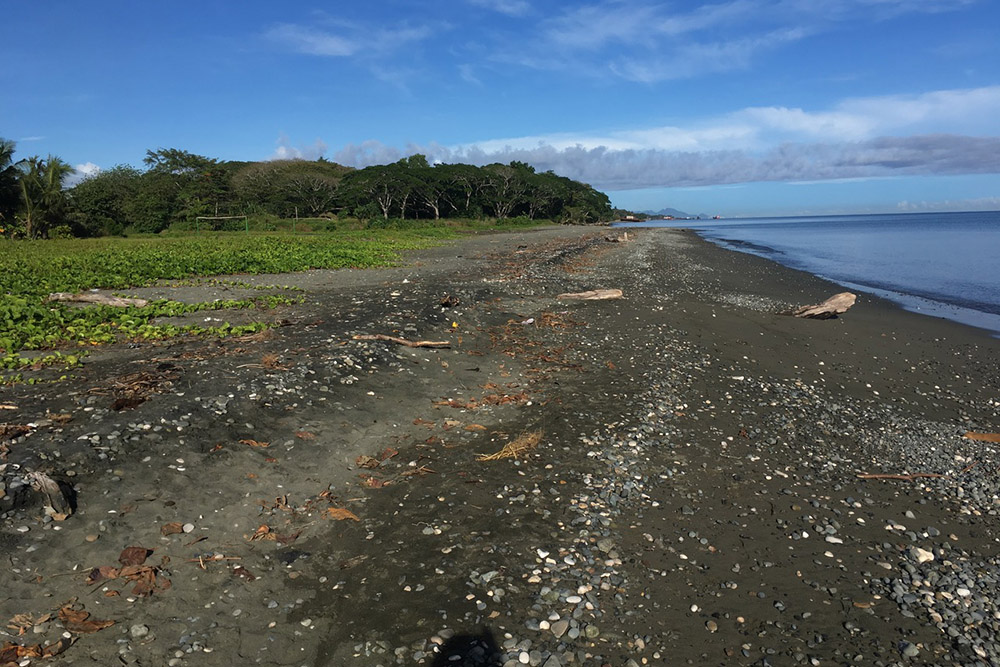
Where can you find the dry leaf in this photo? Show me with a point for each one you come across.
(387, 454)
(475, 427)
(134, 555)
(254, 443)
(339, 514)
(52, 650)
(263, 532)
(244, 573)
(79, 621)
(103, 573)
(365, 461)
(171, 528)
(372, 482)
(305, 435)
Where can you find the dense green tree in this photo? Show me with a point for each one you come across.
(104, 204)
(43, 202)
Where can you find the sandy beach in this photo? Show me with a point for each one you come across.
(690, 487)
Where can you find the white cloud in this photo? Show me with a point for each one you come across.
(857, 138)
(285, 151)
(80, 173)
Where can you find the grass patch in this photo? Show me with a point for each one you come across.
(33, 269)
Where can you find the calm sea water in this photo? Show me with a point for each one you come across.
(941, 264)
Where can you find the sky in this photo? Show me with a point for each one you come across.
(737, 107)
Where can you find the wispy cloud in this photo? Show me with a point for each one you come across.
(977, 204)
(508, 7)
(648, 41)
(306, 39)
(336, 38)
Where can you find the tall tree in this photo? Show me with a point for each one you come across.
(9, 196)
(43, 202)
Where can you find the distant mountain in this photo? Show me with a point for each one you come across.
(670, 211)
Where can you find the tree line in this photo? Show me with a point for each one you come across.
(176, 187)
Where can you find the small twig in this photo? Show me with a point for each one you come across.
(905, 478)
(403, 341)
(969, 467)
(5, 406)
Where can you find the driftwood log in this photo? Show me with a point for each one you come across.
(102, 299)
(402, 341)
(593, 295)
(835, 305)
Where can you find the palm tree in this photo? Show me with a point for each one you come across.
(42, 198)
(8, 182)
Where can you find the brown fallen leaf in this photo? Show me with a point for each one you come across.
(263, 532)
(254, 443)
(984, 437)
(372, 482)
(387, 454)
(134, 555)
(287, 539)
(11, 653)
(172, 528)
(79, 621)
(475, 427)
(305, 435)
(103, 573)
(52, 650)
(339, 514)
(243, 573)
(365, 461)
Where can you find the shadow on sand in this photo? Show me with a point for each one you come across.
(469, 650)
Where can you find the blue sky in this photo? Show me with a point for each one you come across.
(753, 107)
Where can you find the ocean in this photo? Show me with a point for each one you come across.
(940, 264)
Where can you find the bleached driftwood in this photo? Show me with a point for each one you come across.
(836, 304)
(57, 505)
(102, 299)
(593, 295)
(403, 341)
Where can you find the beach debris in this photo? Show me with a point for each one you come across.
(243, 573)
(57, 505)
(623, 238)
(134, 555)
(339, 514)
(449, 301)
(100, 299)
(172, 528)
(593, 295)
(905, 478)
(255, 443)
(79, 621)
(984, 437)
(516, 448)
(403, 341)
(13, 654)
(7, 406)
(835, 305)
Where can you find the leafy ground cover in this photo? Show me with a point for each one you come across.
(31, 270)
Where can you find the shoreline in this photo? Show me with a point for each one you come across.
(925, 304)
(693, 496)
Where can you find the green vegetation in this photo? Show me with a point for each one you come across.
(179, 190)
(34, 269)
